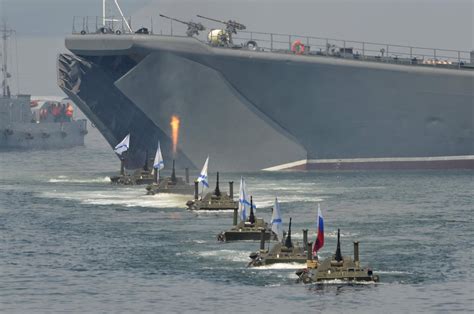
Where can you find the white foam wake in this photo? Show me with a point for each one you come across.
(213, 212)
(392, 272)
(122, 197)
(282, 266)
(333, 234)
(228, 255)
(266, 201)
(65, 179)
(344, 282)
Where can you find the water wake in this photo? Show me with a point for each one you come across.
(282, 266)
(65, 179)
(122, 197)
(228, 255)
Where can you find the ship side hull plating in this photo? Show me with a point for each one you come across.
(256, 110)
(20, 130)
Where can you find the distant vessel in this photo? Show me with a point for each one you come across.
(273, 101)
(43, 123)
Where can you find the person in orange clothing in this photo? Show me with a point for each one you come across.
(69, 112)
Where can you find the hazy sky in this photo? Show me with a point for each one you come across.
(41, 25)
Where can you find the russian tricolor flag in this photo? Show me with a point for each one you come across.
(319, 242)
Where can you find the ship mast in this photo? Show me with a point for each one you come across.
(105, 19)
(5, 32)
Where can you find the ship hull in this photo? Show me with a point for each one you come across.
(254, 110)
(43, 136)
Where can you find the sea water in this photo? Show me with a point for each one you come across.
(71, 241)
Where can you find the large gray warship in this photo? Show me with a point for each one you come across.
(315, 103)
(38, 124)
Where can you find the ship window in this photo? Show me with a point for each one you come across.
(351, 269)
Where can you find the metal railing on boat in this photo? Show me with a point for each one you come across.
(282, 43)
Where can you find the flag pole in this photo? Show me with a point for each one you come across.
(271, 232)
(202, 189)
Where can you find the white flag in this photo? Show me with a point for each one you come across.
(277, 222)
(244, 201)
(123, 146)
(158, 163)
(203, 176)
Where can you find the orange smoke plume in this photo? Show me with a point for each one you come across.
(175, 132)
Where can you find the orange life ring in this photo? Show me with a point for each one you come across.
(297, 47)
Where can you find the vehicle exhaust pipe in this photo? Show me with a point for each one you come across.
(288, 242)
(122, 166)
(305, 238)
(235, 217)
(196, 190)
(173, 174)
(145, 165)
(338, 256)
(252, 215)
(356, 251)
(231, 189)
(309, 251)
(262, 239)
(217, 191)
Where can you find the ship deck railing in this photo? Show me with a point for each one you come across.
(359, 50)
(313, 46)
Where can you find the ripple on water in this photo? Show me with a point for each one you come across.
(72, 241)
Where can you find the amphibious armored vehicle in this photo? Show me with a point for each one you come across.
(337, 267)
(252, 229)
(139, 177)
(280, 253)
(215, 200)
(172, 184)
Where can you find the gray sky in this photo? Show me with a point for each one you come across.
(41, 25)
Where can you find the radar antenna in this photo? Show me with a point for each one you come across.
(193, 27)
